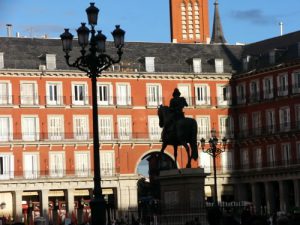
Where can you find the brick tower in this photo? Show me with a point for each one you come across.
(189, 21)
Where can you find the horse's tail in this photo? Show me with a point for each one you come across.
(193, 143)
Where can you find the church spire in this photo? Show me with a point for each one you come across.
(217, 32)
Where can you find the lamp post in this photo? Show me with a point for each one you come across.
(93, 60)
(214, 151)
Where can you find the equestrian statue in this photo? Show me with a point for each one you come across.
(178, 129)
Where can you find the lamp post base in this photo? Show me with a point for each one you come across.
(98, 210)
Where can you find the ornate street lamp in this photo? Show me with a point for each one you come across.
(214, 151)
(93, 61)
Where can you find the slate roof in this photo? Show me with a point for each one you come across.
(29, 53)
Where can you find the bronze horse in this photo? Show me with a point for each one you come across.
(185, 133)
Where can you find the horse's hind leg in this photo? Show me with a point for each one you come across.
(188, 165)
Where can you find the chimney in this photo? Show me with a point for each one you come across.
(18, 34)
(9, 30)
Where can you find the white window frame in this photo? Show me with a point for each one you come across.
(107, 163)
(106, 130)
(31, 99)
(57, 163)
(271, 155)
(296, 81)
(297, 115)
(298, 151)
(154, 94)
(224, 90)
(80, 100)
(219, 65)
(5, 92)
(6, 132)
(286, 153)
(245, 158)
(6, 166)
(227, 161)
(82, 163)
(81, 132)
(124, 127)
(202, 94)
(30, 134)
(270, 121)
(185, 90)
(54, 93)
(153, 128)
(56, 127)
(204, 129)
(243, 125)
(105, 98)
(258, 157)
(226, 126)
(123, 99)
(254, 91)
(31, 160)
(241, 93)
(284, 118)
(197, 66)
(256, 123)
(268, 87)
(282, 84)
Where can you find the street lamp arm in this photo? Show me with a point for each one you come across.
(77, 64)
(213, 152)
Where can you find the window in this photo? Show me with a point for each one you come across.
(258, 158)
(150, 66)
(197, 65)
(271, 157)
(105, 94)
(224, 94)
(254, 91)
(154, 94)
(268, 87)
(245, 158)
(154, 129)
(123, 94)
(282, 84)
(297, 118)
(55, 127)
(272, 57)
(202, 94)
(6, 129)
(256, 123)
(203, 127)
(51, 61)
(219, 67)
(286, 153)
(227, 161)
(243, 125)
(298, 151)
(107, 163)
(296, 81)
(205, 162)
(185, 91)
(5, 93)
(284, 119)
(31, 165)
(30, 128)
(124, 127)
(82, 164)
(270, 121)
(246, 61)
(105, 127)
(56, 164)
(1, 60)
(241, 95)
(79, 94)
(226, 127)
(54, 93)
(6, 166)
(29, 93)
(80, 127)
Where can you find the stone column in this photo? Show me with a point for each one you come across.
(45, 204)
(269, 192)
(70, 201)
(297, 192)
(283, 196)
(17, 206)
(256, 197)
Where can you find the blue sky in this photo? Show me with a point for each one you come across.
(243, 21)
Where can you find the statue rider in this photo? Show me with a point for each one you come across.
(177, 104)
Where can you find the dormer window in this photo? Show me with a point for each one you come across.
(51, 61)
(149, 64)
(197, 65)
(219, 67)
(246, 61)
(1, 60)
(272, 57)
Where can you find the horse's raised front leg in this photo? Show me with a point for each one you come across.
(187, 148)
(175, 153)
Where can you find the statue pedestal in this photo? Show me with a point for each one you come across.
(182, 194)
